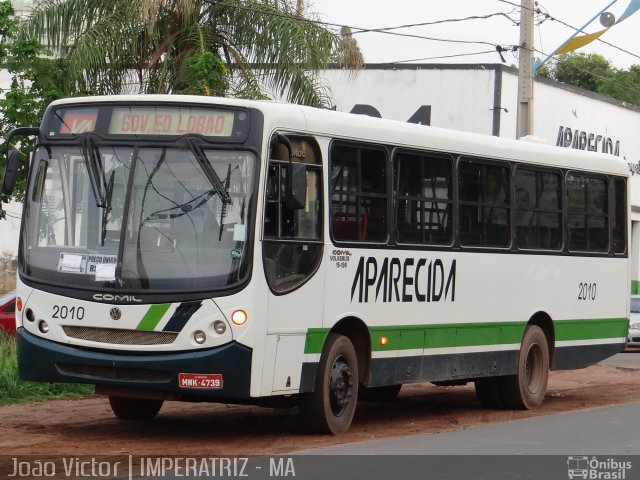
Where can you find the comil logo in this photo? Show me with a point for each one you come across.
(107, 297)
(594, 468)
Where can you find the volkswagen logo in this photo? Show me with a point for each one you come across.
(115, 313)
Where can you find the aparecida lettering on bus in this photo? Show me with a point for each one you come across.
(403, 280)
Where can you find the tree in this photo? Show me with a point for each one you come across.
(187, 46)
(594, 73)
(348, 53)
(624, 85)
(35, 81)
(588, 71)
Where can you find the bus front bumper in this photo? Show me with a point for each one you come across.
(46, 361)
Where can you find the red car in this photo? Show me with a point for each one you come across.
(8, 312)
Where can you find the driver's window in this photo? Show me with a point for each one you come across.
(283, 222)
(292, 246)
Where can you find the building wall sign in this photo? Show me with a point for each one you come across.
(581, 140)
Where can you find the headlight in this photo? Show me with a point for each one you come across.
(635, 326)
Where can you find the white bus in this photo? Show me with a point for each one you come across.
(208, 249)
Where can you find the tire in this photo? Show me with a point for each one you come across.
(488, 392)
(330, 408)
(379, 394)
(134, 408)
(526, 389)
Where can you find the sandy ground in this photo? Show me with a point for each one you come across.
(87, 426)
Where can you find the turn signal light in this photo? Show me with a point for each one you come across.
(384, 341)
(19, 304)
(239, 317)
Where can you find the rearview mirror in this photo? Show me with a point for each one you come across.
(296, 190)
(11, 172)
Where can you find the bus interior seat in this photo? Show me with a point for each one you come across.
(345, 226)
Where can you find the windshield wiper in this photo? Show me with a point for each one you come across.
(107, 208)
(91, 162)
(223, 210)
(211, 174)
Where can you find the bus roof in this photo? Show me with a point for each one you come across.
(347, 126)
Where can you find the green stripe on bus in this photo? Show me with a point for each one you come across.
(586, 329)
(415, 337)
(315, 340)
(443, 336)
(153, 316)
(635, 287)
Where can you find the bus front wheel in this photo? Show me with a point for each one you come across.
(330, 408)
(526, 389)
(134, 408)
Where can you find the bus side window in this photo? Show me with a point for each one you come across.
(485, 207)
(358, 193)
(619, 216)
(423, 198)
(588, 212)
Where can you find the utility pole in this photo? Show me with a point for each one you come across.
(525, 70)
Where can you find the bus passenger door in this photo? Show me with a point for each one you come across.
(292, 252)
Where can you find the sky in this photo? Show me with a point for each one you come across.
(496, 30)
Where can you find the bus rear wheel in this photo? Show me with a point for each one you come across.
(526, 389)
(330, 408)
(134, 408)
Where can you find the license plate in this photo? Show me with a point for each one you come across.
(200, 380)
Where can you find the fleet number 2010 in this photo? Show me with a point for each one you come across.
(587, 291)
(64, 312)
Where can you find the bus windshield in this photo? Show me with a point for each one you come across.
(143, 218)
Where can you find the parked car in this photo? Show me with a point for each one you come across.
(633, 337)
(8, 312)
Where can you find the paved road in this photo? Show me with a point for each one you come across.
(602, 431)
(628, 359)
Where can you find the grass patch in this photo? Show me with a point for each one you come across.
(14, 390)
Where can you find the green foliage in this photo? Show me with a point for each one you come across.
(624, 85)
(594, 73)
(35, 81)
(348, 54)
(588, 71)
(186, 46)
(14, 390)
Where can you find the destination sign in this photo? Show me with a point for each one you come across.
(170, 121)
(150, 121)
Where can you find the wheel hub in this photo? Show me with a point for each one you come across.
(340, 386)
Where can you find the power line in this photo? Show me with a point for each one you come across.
(436, 22)
(547, 16)
(445, 56)
(383, 30)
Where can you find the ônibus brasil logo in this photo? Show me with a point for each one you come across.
(593, 468)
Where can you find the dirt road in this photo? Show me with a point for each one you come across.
(87, 426)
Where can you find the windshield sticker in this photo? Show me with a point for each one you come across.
(239, 232)
(72, 263)
(105, 273)
(98, 259)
